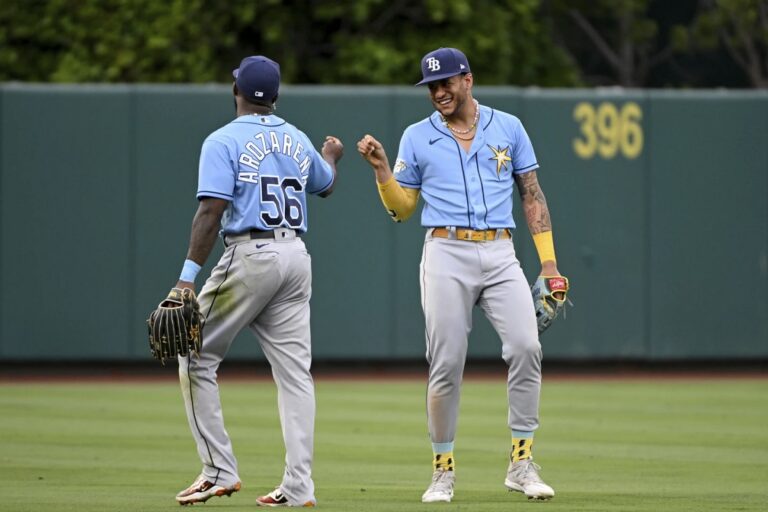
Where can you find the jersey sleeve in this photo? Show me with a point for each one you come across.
(216, 177)
(406, 169)
(523, 157)
(320, 174)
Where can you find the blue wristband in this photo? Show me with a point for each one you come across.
(189, 272)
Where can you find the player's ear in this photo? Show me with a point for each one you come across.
(470, 80)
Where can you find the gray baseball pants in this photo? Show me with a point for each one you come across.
(264, 284)
(456, 275)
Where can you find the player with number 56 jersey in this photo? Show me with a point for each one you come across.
(254, 177)
(272, 167)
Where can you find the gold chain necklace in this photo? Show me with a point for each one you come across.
(468, 130)
(462, 138)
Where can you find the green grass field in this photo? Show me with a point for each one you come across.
(613, 445)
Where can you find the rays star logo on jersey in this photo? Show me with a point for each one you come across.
(433, 64)
(400, 166)
(502, 158)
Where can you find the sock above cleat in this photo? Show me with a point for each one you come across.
(443, 461)
(521, 449)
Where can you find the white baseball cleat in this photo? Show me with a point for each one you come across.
(441, 488)
(202, 490)
(276, 498)
(523, 476)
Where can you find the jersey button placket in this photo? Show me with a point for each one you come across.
(476, 199)
(482, 209)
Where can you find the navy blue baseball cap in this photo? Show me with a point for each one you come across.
(258, 78)
(443, 63)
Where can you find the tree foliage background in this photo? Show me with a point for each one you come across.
(549, 43)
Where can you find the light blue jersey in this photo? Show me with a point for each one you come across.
(265, 167)
(465, 189)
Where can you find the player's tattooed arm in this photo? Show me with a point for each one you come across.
(539, 223)
(205, 229)
(534, 203)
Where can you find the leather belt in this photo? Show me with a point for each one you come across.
(472, 235)
(278, 234)
(257, 233)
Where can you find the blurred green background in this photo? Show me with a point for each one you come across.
(548, 43)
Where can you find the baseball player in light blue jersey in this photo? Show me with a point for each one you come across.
(254, 176)
(464, 161)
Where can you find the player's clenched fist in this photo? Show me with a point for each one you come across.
(373, 152)
(333, 148)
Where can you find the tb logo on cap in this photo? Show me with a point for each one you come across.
(433, 64)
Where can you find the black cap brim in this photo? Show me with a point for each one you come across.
(441, 76)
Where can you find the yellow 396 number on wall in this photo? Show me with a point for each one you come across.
(607, 130)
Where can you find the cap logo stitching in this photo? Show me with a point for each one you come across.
(258, 94)
(433, 64)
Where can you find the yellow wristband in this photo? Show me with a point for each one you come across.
(545, 246)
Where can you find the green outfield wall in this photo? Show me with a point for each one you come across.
(659, 202)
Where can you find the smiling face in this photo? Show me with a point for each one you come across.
(450, 95)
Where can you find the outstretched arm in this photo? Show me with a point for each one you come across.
(399, 202)
(373, 153)
(332, 151)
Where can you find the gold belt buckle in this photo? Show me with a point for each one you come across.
(474, 236)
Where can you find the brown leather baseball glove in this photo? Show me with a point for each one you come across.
(175, 327)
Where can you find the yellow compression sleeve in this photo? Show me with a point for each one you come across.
(545, 246)
(400, 202)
